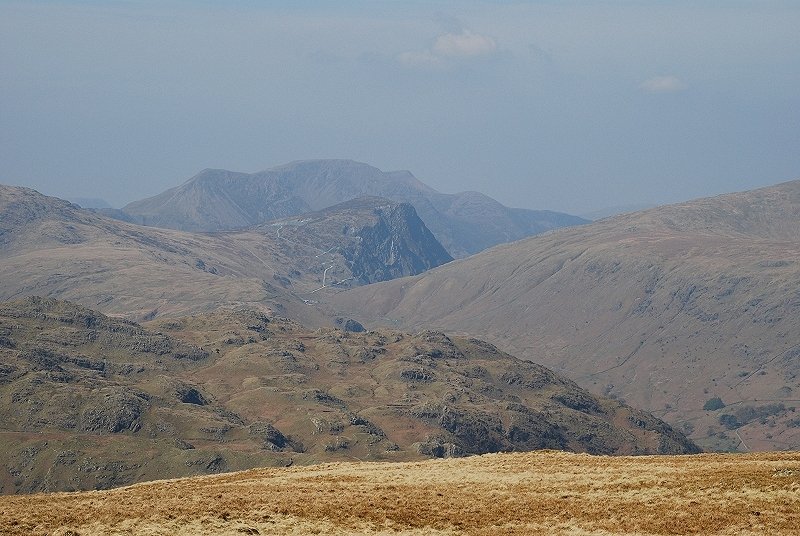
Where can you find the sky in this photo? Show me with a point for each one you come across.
(568, 105)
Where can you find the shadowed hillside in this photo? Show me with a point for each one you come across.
(88, 401)
(669, 309)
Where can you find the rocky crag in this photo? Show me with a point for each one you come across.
(89, 401)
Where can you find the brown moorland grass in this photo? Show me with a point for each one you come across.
(543, 492)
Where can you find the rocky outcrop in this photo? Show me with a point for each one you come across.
(397, 244)
(273, 439)
(114, 410)
(362, 241)
(82, 405)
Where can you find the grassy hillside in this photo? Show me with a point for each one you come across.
(532, 493)
(666, 309)
(90, 402)
(49, 247)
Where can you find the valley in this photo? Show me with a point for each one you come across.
(327, 353)
(683, 310)
(690, 311)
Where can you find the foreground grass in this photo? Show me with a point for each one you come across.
(528, 493)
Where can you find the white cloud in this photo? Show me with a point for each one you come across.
(450, 46)
(463, 45)
(663, 84)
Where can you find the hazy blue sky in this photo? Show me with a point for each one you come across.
(567, 105)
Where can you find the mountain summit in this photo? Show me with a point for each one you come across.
(215, 200)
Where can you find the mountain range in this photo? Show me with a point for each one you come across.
(691, 311)
(215, 200)
(53, 248)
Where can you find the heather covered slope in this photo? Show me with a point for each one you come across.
(543, 493)
(213, 200)
(669, 309)
(51, 247)
(88, 401)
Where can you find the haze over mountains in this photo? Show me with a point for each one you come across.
(690, 311)
(240, 385)
(50, 247)
(669, 309)
(214, 200)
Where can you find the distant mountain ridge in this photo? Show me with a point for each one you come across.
(214, 200)
(90, 203)
(670, 309)
(51, 247)
(607, 212)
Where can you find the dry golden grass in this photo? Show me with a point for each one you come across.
(531, 493)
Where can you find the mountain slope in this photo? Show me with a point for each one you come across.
(88, 401)
(215, 200)
(370, 239)
(668, 308)
(50, 247)
(551, 493)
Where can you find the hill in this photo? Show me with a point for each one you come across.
(691, 311)
(530, 493)
(90, 402)
(51, 247)
(369, 239)
(214, 200)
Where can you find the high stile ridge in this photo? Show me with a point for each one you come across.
(216, 199)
